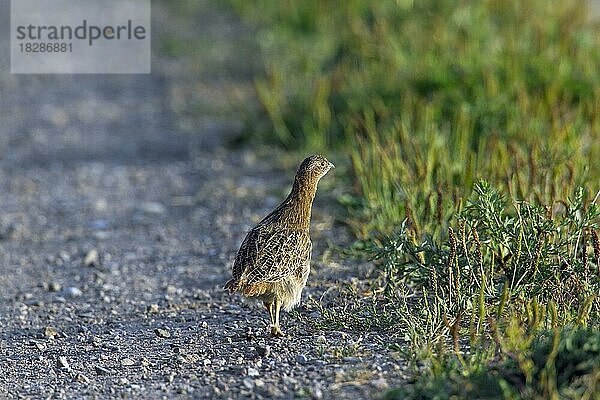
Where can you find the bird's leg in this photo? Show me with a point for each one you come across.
(275, 329)
(270, 306)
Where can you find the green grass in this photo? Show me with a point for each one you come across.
(552, 364)
(471, 133)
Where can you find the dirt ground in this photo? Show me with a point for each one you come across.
(120, 214)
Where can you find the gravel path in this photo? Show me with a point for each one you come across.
(120, 215)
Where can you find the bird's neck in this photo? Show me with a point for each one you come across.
(299, 203)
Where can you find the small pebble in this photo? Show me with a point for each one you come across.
(54, 287)
(162, 333)
(38, 345)
(99, 224)
(151, 207)
(172, 289)
(380, 384)
(127, 362)
(91, 258)
(248, 383)
(263, 351)
(82, 378)
(101, 370)
(301, 359)
(101, 235)
(317, 393)
(50, 332)
(72, 292)
(63, 363)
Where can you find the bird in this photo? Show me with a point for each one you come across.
(273, 262)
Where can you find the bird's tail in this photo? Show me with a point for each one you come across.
(232, 285)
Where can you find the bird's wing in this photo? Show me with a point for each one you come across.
(269, 253)
(246, 255)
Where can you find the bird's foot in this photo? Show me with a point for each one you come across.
(276, 331)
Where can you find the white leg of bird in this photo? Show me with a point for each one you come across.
(271, 309)
(276, 330)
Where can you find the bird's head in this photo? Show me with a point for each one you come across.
(313, 168)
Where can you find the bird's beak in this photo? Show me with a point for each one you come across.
(331, 165)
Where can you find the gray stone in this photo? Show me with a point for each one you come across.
(82, 378)
(91, 258)
(54, 287)
(317, 393)
(72, 292)
(301, 359)
(162, 333)
(380, 384)
(50, 332)
(248, 383)
(101, 370)
(63, 363)
(127, 362)
(152, 207)
(263, 351)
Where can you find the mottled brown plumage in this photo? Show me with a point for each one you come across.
(273, 262)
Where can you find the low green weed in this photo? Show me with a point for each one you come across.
(499, 253)
(552, 364)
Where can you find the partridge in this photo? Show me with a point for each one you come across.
(273, 262)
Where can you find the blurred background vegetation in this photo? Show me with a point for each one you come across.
(470, 134)
(429, 96)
